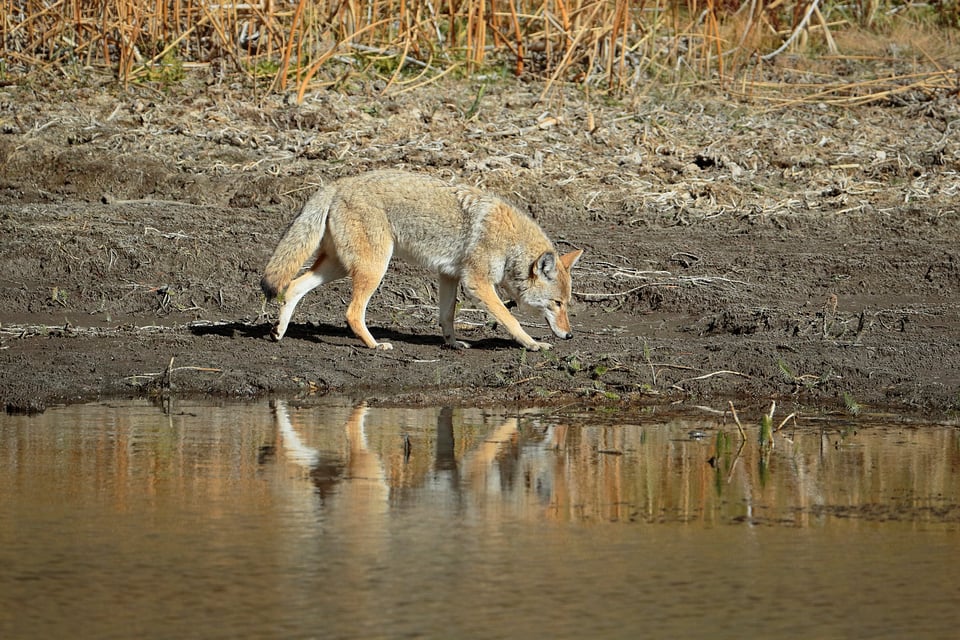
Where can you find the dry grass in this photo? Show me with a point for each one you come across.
(609, 45)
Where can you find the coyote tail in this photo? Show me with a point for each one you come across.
(300, 241)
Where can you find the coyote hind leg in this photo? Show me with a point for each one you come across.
(326, 268)
(365, 284)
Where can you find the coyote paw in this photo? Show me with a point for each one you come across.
(457, 344)
(541, 346)
(275, 334)
(383, 346)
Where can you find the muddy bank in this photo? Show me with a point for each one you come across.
(808, 255)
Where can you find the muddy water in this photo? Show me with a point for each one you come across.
(336, 521)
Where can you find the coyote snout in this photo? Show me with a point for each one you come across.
(560, 324)
(354, 226)
(549, 291)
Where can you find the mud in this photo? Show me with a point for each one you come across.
(732, 250)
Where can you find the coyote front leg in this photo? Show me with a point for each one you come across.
(487, 295)
(448, 304)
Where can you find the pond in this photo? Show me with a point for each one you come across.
(331, 519)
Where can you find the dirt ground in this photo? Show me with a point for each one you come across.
(733, 249)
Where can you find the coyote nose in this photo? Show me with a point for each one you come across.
(567, 335)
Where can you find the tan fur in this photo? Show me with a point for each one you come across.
(356, 225)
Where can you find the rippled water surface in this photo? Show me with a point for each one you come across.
(332, 520)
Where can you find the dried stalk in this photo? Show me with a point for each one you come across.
(595, 42)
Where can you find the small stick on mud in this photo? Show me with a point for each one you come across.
(609, 296)
(109, 199)
(167, 374)
(792, 416)
(167, 382)
(733, 410)
(711, 374)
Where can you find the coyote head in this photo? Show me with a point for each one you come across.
(548, 290)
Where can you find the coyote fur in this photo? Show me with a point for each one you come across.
(354, 226)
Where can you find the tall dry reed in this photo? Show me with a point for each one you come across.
(612, 44)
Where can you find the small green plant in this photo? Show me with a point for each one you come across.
(475, 107)
(766, 430)
(788, 375)
(723, 443)
(853, 407)
(551, 359)
(58, 296)
(265, 68)
(167, 72)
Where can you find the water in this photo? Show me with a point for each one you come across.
(336, 521)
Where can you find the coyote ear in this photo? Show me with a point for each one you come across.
(570, 259)
(545, 266)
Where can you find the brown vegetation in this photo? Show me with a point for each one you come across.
(604, 44)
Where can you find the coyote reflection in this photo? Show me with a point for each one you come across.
(365, 479)
(363, 468)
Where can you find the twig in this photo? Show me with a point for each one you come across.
(167, 382)
(796, 32)
(736, 458)
(383, 51)
(831, 44)
(404, 88)
(667, 365)
(108, 199)
(736, 418)
(169, 370)
(717, 412)
(618, 294)
(569, 55)
(792, 416)
(714, 373)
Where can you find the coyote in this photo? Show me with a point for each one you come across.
(355, 225)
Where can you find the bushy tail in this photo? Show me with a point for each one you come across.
(300, 241)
